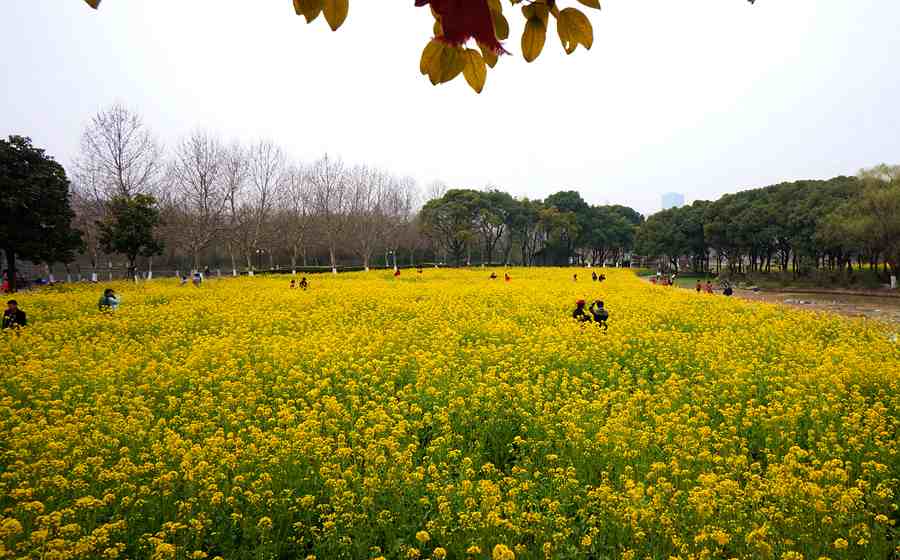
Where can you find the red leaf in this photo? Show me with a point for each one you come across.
(462, 20)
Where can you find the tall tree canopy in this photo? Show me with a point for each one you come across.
(129, 228)
(35, 216)
(481, 23)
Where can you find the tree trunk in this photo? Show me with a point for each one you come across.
(11, 269)
(332, 259)
(366, 261)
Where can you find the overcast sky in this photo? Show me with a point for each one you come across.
(700, 97)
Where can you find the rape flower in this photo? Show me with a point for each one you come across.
(501, 552)
(338, 415)
(423, 537)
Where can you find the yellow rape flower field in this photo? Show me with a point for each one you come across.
(444, 415)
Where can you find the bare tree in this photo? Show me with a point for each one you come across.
(126, 156)
(298, 213)
(435, 190)
(265, 178)
(366, 210)
(200, 194)
(330, 201)
(399, 204)
(234, 177)
(88, 196)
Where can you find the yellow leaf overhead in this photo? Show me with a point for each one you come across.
(443, 63)
(574, 28)
(431, 51)
(335, 12)
(475, 70)
(310, 9)
(533, 38)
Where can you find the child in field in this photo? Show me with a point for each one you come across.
(108, 301)
(575, 277)
(198, 279)
(709, 288)
(601, 315)
(593, 276)
(396, 272)
(579, 313)
(506, 276)
(293, 284)
(699, 287)
(493, 275)
(303, 283)
(601, 278)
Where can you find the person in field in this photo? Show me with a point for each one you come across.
(198, 279)
(728, 290)
(575, 277)
(580, 314)
(293, 284)
(506, 276)
(419, 270)
(184, 280)
(600, 314)
(699, 287)
(601, 278)
(13, 317)
(108, 301)
(709, 288)
(303, 283)
(594, 275)
(396, 272)
(493, 275)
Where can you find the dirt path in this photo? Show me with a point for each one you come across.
(850, 304)
(853, 305)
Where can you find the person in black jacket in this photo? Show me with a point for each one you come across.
(601, 315)
(13, 317)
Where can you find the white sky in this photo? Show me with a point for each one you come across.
(700, 97)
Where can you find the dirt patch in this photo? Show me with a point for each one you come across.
(851, 305)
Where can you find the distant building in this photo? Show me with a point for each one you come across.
(672, 200)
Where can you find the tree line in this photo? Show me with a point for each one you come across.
(208, 203)
(563, 229)
(245, 207)
(798, 227)
(232, 204)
